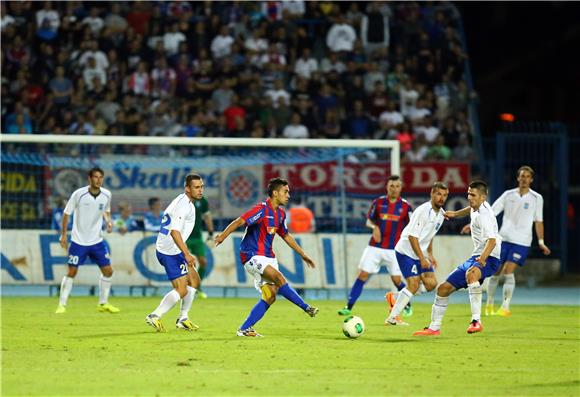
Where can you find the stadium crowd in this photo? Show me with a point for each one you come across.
(293, 69)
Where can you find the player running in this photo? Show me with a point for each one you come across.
(414, 251)
(176, 226)
(195, 241)
(262, 222)
(521, 208)
(484, 261)
(90, 204)
(387, 217)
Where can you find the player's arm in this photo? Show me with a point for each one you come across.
(375, 228)
(108, 221)
(458, 214)
(64, 226)
(539, 226)
(430, 254)
(417, 250)
(489, 246)
(229, 230)
(178, 239)
(294, 245)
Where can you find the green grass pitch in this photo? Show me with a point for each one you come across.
(533, 353)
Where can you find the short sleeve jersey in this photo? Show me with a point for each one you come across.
(483, 227)
(519, 214)
(391, 219)
(180, 216)
(424, 224)
(88, 211)
(263, 222)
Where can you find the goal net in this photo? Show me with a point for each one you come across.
(335, 179)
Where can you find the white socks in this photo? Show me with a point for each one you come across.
(65, 288)
(104, 289)
(508, 290)
(437, 312)
(475, 291)
(186, 303)
(404, 297)
(491, 287)
(168, 301)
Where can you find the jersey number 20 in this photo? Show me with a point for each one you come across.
(166, 221)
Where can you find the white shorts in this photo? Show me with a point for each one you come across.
(255, 267)
(373, 258)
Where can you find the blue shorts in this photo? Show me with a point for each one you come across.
(411, 267)
(175, 265)
(99, 253)
(513, 253)
(458, 279)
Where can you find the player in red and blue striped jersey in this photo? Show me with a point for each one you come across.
(387, 217)
(263, 222)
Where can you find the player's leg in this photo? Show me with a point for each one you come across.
(176, 269)
(77, 255)
(411, 270)
(473, 275)
(438, 309)
(99, 253)
(397, 279)
(267, 299)
(369, 264)
(272, 274)
(202, 261)
(509, 285)
(495, 279)
(193, 281)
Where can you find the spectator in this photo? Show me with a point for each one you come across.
(19, 125)
(330, 128)
(124, 222)
(93, 51)
(108, 108)
(278, 92)
(405, 137)
(359, 125)
(372, 77)
(391, 118)
(374, 30)
(419, 112)
(163, 78)
(281, 114)
(354, 15)
(325, 101)
(235, 116)
(427, 129)
(450, 132)
(306, 64)
(152, 218)
(341, 36)
(463, 151)
(94, 21)
(81, 126)
(418, 152)
(172, 39)
(222, 97)
(439, 151)
(139, 82)
(378, 100)
(92, 72)
(47, 22)
(295, 129)
(332, 63)
(300, 218)
(221, 45)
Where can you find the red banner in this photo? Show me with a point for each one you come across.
(370, 178)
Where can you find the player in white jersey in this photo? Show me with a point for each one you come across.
(522, 207)
(90, 204)
(484, 261)
(176, 226)
(414, 251)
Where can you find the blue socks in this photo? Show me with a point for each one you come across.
(400, 286)
(355, 292)
(256, 314)
(289, 293)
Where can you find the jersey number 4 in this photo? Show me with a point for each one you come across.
(414, 269)
(166, 221)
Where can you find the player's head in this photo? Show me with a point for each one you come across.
(278, 190)
(194, 186)
(96, 175)
(525, 176)
(439, 193)
(476, 193)
(394, 186)
(154, 204)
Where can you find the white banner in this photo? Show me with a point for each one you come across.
(35, 257)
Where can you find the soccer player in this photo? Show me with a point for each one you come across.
(90, 204)
(263, 222)
(195, 241)
(414, 251)
(176, 226)
(521, 208)
(387, 217)
(484, 261)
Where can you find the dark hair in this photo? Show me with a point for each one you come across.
(479, 185)
(191, 177)
(96, 169)
(439, 185)
(394, 178)
(152, 201)
(526, 168)
(275, 184)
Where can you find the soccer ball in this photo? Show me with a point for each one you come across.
(353, 327)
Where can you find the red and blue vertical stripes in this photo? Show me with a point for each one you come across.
(391, 219)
